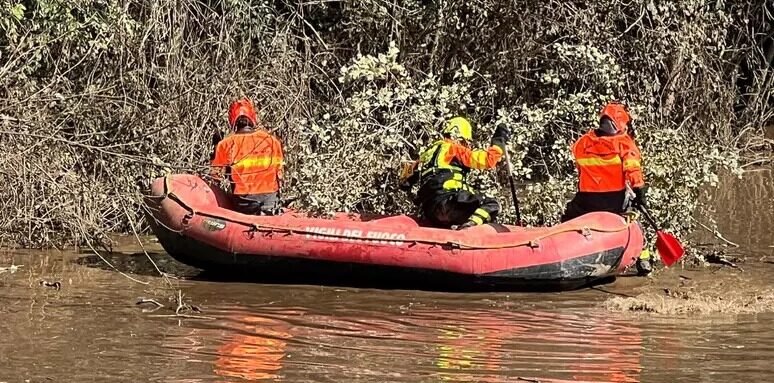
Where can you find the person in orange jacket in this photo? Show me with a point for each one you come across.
(444, 195)
(608, 160)
(251, 160)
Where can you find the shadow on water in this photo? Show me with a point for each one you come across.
(373, 277)
(426, 281)
(138, 263)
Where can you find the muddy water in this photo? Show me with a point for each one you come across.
(747, 206)
(92, 330)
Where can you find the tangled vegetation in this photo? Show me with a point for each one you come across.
(99, 97)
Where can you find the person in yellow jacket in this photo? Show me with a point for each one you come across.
(444, 196)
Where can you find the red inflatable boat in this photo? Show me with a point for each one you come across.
(195, 226)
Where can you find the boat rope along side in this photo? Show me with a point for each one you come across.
(585, 230)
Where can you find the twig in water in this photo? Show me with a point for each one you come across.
(111, 265)
(11, 269)
(720, 260)
(177, 316)
(519, 378)
(56, 285)
(93, 250)
(180, 304)
(716, 233)
(137, 237)
(147, 300)
(183, 307)
(153, 301)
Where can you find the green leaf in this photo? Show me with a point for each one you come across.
(18, 11)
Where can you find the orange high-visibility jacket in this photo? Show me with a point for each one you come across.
(605, 164)
(442, 155)
(252, 161)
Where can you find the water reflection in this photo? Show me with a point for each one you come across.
(469, 353)
(254, 349)
(430, 345)
(535, 345)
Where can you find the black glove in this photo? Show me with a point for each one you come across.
(632, 130)
(639, 197)
(501, 136)
(216, 137)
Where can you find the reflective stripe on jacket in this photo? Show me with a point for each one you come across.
(605, 164)
(253, 162)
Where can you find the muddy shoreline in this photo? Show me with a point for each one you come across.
(696, 290)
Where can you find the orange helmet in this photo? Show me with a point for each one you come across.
(239, 108)
(618, 113)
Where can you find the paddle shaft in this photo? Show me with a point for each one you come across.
(509, 167)
(648, 217)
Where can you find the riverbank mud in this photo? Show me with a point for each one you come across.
(746, 289)
(735, 270)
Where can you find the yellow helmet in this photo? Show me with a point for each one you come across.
(459, 127)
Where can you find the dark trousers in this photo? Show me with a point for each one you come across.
(257, 204)
(456, 208)
(587, 202)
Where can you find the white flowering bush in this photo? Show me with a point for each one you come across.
(387, 116)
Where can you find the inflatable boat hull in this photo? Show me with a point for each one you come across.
(195, 226)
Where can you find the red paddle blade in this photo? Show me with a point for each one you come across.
(669, 248)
